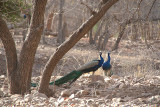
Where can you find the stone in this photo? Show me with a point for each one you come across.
(97, 84)
(2, 77)
(115, 77)
(1, 93)
(37, 94)
(154, 99)
(66, 93)
(122, 85)
(82, 93)
(28, 97)
(85, 92)
(15, 96)
(116, 85)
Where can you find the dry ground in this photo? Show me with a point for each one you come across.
(136, 80)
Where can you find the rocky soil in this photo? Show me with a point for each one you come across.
(105, 91)
(136, 79)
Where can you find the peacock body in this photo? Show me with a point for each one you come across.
(91, 66)
(107, 66)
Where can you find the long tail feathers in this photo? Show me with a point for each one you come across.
(72, 76)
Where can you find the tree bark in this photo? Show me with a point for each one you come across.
(122, 29)
(64, 31)
(60, 32)
(69, 43)
(49, 22)
(99, 30)
(11, 57)
(91, 36)
(30, 45)
(103, 46)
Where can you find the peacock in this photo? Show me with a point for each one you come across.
(91, 66)
(107, 66)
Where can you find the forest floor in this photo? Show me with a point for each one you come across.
(136, 79)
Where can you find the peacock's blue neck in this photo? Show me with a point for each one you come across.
(102, 60)
(109, 58)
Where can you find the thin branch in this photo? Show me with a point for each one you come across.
(89, 8)
(151, 9)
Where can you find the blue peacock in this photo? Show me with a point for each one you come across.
(107, 66)
(91, 66)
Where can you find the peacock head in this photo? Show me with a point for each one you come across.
(100, 52)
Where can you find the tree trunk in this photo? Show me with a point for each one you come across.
(30, 45)
(99, 44)
(60, 32)
(49, 22)
(100, 40)
(11, 57)
(69, 43)
(64, 31)
(99, 30)
(103, 46)
(91, 36)
(134, 35)
(122, 29)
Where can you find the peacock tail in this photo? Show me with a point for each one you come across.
(34, 84)
(67, 78)
(72, 76)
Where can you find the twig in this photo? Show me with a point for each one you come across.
(150, 9)
(89, 8)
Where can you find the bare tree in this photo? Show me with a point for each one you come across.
(19, 70)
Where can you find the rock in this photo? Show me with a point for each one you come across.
(122, 85)
(138, 101)
(82, 93)
(116, 85)
(2, 77)
(116, 102)
(137, 85)
(97, 84)
(154, 99)
(66, 93)
(116, 99)
(7, 101)
(40, 95)
(15, 96)
(106, 79)
(146, 94)
(126, 99)
(85, 92)
(115, 77)
(71, 96)
(1, 93)
(97, 78)
(98, 92)
(28, 97)
(1, 104)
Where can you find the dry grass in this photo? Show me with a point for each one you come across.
(132, 58)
